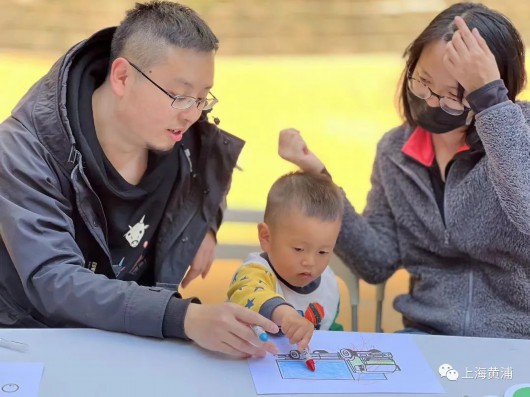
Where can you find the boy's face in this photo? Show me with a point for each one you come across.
(151, 121)
(299, 247)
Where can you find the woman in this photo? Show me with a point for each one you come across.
(450, 196)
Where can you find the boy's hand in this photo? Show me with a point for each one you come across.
(291, 147)
(298, 329)
(226, 328)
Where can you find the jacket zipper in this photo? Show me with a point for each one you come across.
(467, 317)
(447, 235)
(191, 214)
(469, 303)
(104, 229)
(444, 217)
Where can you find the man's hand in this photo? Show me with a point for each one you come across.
(468, 58)
(291, 147)
(226, 328)
(298, 329)
(203, 259)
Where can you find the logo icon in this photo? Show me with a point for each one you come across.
(447, 371)
(136, 232)
(10, 388)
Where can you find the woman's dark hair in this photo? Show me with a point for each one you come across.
(497, 30)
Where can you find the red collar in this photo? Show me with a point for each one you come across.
(419, 147)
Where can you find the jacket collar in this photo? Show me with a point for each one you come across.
(44, 107)
(419, 147)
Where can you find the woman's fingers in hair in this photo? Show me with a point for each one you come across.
(451, 56)
(480, 40)
(463, 36)
(470, 38)
(456, 47)
(468, 58)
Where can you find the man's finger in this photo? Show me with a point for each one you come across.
(208, 267)
(270, 347)
(227, 349)
(247, 316)
(244, 339)
(192, 273)
(242, 345)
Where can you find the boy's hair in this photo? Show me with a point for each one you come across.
(148, 30)
(313, 195)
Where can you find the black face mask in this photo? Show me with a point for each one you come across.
(434, 120)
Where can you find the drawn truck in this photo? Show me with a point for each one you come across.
(369, 361)
(358, 361)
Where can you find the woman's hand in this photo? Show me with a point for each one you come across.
(469, 59)
(291, 147)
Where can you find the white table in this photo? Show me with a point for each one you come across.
(92, 363)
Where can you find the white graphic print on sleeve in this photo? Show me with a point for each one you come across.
(135, 233)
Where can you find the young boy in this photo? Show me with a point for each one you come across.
(290, 281)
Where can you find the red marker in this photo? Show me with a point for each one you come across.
(306, 356)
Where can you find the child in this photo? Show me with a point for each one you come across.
(290, 281)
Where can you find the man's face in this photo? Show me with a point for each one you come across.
(146, 111)
(299, 247)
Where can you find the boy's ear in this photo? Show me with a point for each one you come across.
(264, 236)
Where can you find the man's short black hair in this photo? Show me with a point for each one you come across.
(150, 28)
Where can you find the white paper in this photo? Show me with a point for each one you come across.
(20, 379)
(347, 362)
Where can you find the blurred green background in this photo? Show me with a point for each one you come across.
(329, 68)
(342, 105)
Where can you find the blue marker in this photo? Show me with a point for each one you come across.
(260, 333)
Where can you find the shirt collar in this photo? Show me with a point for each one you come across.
(419, 147)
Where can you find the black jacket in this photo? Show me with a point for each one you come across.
(50, 215)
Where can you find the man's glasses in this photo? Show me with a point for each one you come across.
(182, 102)
(448, 105)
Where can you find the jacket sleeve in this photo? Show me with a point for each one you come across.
(38, 232)
(367, 243)
(505, 133)
(254, 287)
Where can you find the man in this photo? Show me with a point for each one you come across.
(111, 184)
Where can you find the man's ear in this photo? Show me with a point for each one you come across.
(119, 74)
(264, 236)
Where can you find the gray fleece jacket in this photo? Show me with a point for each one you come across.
(470, 272)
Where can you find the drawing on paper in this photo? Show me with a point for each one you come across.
(346, 364)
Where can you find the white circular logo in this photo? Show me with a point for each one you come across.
(10, 388)
(447, 371)
(443, 369)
